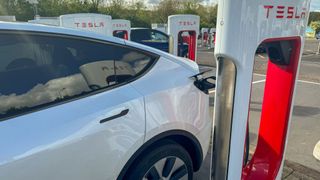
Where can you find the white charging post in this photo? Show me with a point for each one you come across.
(179, 25)
(204, 36)
(121, 28)
(98, 23)
(241, 27)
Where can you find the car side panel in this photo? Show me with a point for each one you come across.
(69, 142)
(174, 103)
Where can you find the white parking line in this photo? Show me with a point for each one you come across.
(302, 81)
(259, 74)
(261, 56)
(260, 81)
(309, 82)
(264, 80)
(212, 91)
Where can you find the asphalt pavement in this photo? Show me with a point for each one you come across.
(304, 131)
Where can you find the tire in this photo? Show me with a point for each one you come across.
(166, 160)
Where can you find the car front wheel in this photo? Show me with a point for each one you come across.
(167, 160)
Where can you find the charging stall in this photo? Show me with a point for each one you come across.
(98, 23)
(241, 27)
(204, 36)
(212, 37)
(121, 28)
(184, 30)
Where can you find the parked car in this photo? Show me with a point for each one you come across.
(79, 105)
(318, 35)
(156, 39)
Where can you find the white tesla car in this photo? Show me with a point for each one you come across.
(80, 106)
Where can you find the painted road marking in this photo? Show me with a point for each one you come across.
(259, 74)
(309, 82)
(261, 56)
(316, 151)
(256, 82)
(302, 81)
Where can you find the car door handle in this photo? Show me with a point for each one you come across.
(122, 113)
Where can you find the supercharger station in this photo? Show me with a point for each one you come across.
(212, 37)
(241, 27)
(98, 23)
(123, 27)
(179, 25)
(204, 36)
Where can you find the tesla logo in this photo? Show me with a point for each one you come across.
(120, 25)
(286, 12)
(89, 24)
(187, 23)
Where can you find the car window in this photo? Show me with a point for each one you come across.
(119, 34)
(158, 37)
(38, 70)
(139, 35)
(148, 35)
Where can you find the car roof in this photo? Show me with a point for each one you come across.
(18, 26)
(134, 28)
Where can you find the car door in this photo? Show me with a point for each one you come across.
(67, 109)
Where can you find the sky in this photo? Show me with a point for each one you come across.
(315, 4)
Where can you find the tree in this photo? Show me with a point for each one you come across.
(114, 8)
(135, 10)
(212, 15)
(22, 9)
(190, 6)
(93, 5)
(165, 9)
(315, 25)
(138, 14)
(314, 16)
